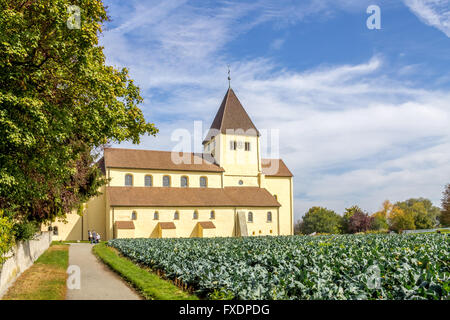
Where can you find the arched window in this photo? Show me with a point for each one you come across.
(241, 182)
(203, 182)
(156, 215)
(269, 216)
(148, 181)
(128, 180)
(55, 231)
(212, 214)
(134, 215)
(184, 181)
(166, 181)
(176, 215)
(195, 215)
(250, 216)
(275, 196)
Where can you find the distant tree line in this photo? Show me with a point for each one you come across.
(410, 214)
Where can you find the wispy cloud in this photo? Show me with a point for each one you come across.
(435, 13)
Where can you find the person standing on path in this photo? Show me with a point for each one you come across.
(90, 236)
(98, 237)
(94, 236)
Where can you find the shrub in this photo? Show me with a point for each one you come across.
(376, 231)
(25, 230)
(6, 235)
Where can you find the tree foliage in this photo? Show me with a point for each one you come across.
(380, 218)
(379, 222)
(349, 212)
(59, 101)
(425, 215)
(400, 220)
(6, 235)
(359, 222)
(322, 220)
(445, 215)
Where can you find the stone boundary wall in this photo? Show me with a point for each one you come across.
(424, 230)
(21, 257)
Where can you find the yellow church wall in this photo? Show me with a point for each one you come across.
(124, 233)
(95, 212)
(75, 226)
(214, 180)
(167, 233)
(68, 229)
(99, 216)
(260, 225)
(233, 181)
(239, 161)
(146, 226)
(206, 233)
(282, 188)
(186, 226)
(109, 220)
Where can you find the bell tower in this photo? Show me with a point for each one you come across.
(233, 139)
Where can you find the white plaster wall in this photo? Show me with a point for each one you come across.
(21, 257)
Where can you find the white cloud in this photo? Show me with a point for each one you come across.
(435, 13)
(351, 134)
(277, 44)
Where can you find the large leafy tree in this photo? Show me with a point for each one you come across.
(322, 220)
(445, 215)
(59, 101)
(349, 212)
(424, 213)
(400, 220)
(380, 218)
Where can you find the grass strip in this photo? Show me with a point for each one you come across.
(56, 242)
(150, 285)
(45, 279)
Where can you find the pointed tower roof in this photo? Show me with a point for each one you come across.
(231, 116)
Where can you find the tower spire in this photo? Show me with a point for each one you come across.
(229, 77)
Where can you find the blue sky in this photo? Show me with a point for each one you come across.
(363, 115)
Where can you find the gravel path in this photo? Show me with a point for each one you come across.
(97, 281)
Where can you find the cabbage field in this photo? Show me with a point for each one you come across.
(302, 267)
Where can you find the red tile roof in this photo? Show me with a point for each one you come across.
(167, 225)
(275, 168)
(124, 224)
(231, 116)
(190, 197)
(207, 224)
(158, 160)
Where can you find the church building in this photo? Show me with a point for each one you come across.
(226, 191)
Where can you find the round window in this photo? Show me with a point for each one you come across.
(241, 182)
